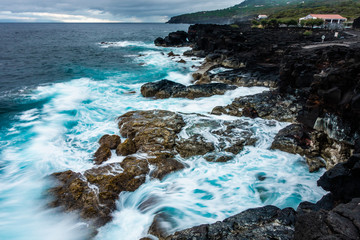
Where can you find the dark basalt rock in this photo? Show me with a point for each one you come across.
(342, 222)
(330, 77)
(161, 89)
(174, 39)
(343, 180)
(203, 90)
(243, 77)
(314, 145)
(267, 222)
(165, 164)
(268, 105)
(166, 89)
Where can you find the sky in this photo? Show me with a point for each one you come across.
(103, 10)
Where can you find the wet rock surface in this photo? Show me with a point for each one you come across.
(151, 131)
(267, 222)
(317, 147)
(242, 77)
(166, 89)
(268, 105)
(343, 180)
(342, 222)
(107, 142)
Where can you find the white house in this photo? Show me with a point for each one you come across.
(262, 17)
(328, 18)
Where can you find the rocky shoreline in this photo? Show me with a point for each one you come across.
(316, 89)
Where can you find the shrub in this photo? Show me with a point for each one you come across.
(307, 33)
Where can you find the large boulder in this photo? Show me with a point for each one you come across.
(112, 141)
(151, 131)
(166, 89)
(107, 142)
(342, 222)
(174, 39)
(161, 89)
(343, 180)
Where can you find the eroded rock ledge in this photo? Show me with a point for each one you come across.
(166, 89)
(152, 142)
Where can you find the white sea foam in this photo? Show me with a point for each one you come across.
(126, 44)
(63, 132)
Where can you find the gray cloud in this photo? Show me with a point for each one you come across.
(104, 10)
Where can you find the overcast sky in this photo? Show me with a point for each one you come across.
(103, 10)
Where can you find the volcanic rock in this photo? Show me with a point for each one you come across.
(167, 89)
(195, 145)
(112, 141)
(267, 105)
(315, 145)
(151, 131)
(102, 154)
(267, 222)
(126, 148)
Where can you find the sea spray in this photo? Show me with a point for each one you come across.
(55, 118)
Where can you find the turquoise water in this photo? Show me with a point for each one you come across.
(61, 90)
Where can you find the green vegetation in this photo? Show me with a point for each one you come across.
(347, 8)
(282, 10)
(312, 22)
(307, 33)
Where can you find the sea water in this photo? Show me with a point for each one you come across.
(62, 86)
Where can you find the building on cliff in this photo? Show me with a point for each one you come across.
(328, 18)
(260, 17)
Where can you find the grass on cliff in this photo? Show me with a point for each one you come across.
(279, 9)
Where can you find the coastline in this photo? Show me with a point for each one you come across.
(262, 62)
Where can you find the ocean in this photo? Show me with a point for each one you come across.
(62, 86)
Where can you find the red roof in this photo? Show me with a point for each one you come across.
(328, 16)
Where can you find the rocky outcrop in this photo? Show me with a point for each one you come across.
(318, 149)
(111, 141)
(329, 76)
(343, 180)
(126, 148)
(94, 193)
(174, 39)
(342, 222)
(107, 142)
(337, 215)
(195, 145)
(166, 89)
(151, 131)
(268, 105)
(267, 222)
(242, 77)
